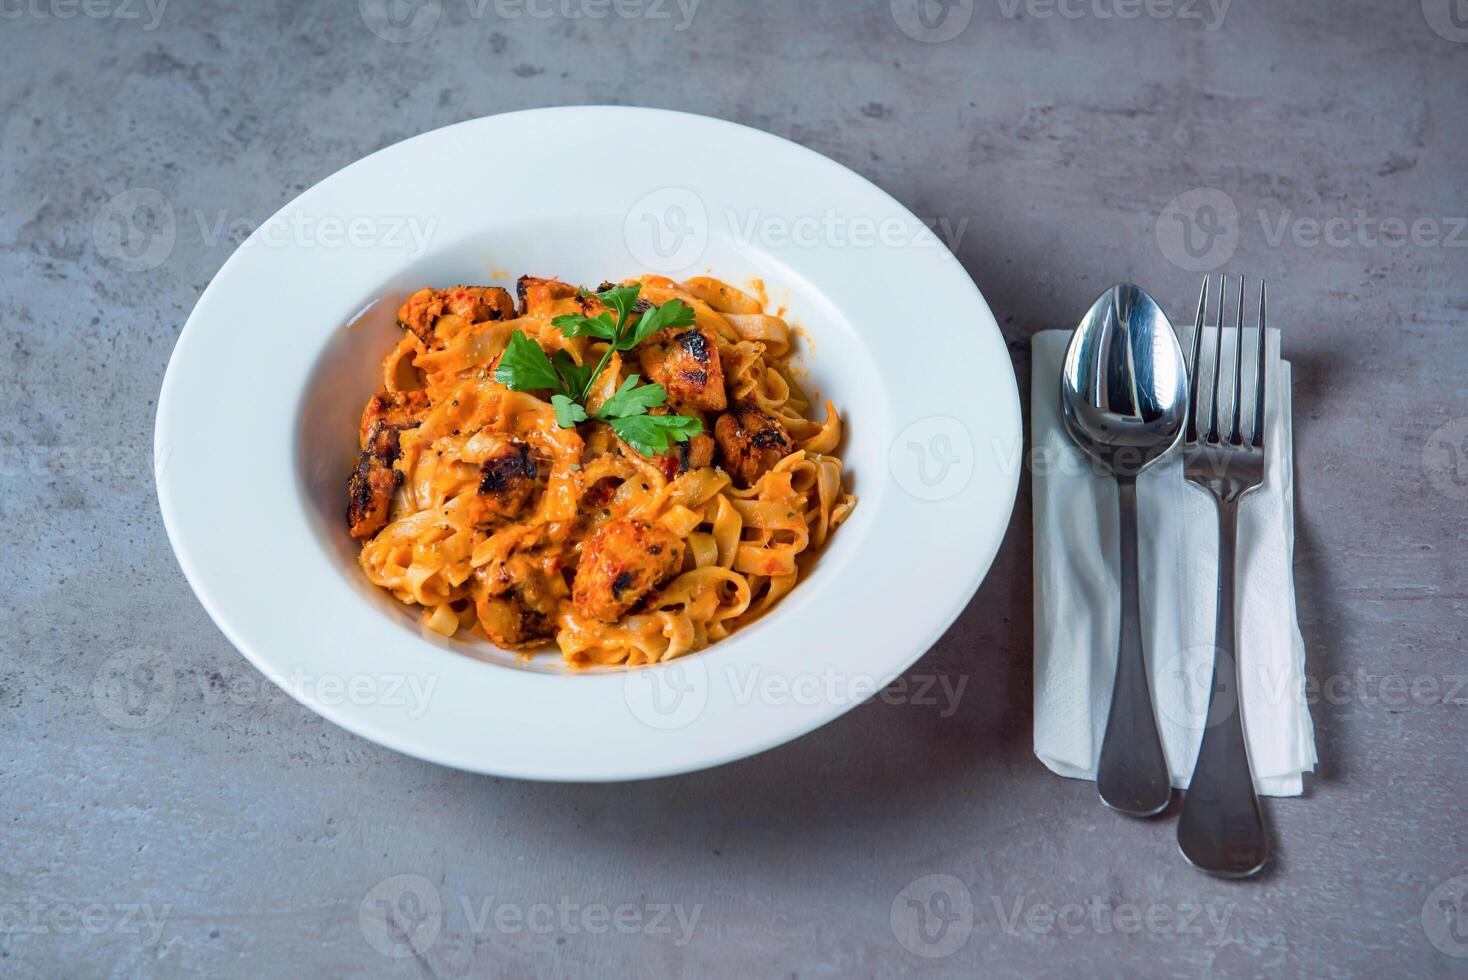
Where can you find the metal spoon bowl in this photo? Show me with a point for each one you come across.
(1124, 400)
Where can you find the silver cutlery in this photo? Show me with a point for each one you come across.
(1123, 401)
(1221, 829)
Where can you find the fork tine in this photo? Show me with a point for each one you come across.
(1217, 364)
(1193, 366)
(1259, 375)
(1234, 435)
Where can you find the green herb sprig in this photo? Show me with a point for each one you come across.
(525, 367)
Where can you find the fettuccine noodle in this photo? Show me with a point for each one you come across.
(474, 504)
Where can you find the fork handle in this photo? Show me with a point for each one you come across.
(1132, 774)
(1221, 829)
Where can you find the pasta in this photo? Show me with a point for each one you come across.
(474, 502)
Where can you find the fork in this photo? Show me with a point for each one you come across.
(1221, 829)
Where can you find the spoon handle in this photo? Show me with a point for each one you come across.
(1132, 775)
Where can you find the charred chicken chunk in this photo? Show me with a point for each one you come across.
(542, 297)
(751, 441)
(620, 564)
(509, 479)
(369, 494)
(373, 480)
(549, 297)
(511, 625)
(518, 604)
(473, 303)
(687, 365)
(396, 410)
(518, 596)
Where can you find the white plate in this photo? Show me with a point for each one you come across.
(256, 430)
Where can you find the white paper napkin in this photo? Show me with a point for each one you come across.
(1078, 599)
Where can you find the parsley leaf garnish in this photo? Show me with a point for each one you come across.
(578, 377)
(632, 400)
(568, 413)
(524, 366)
(580, 325)
(652, 434)
(622, 299)
(670, 315)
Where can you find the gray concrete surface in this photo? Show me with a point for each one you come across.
(201, 823)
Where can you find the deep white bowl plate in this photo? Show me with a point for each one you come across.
(256, 428)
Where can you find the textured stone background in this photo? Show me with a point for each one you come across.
(253, 830)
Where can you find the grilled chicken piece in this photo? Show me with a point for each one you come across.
(510, 478)
(547, 297)
(397, 410)
(751, 441)
(540, 297)
(512, 625)
(371, 485)
(518, 607)
(687, 366)
(474, 303)
(620, 564)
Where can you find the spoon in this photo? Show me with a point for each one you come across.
(1124, 399)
